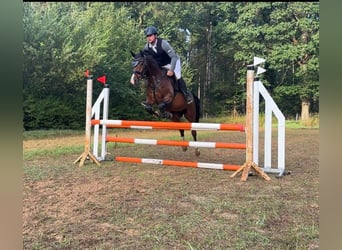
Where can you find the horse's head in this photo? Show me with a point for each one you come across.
(138, 65)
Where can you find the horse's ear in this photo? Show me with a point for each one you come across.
(146, 53)
(132, 53)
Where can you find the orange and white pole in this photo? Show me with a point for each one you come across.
(177, 143)
(179, 163)
(168, 125)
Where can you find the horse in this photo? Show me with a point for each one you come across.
(162, 93)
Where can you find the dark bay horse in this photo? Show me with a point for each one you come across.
(162, 93)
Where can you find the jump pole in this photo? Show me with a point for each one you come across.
(178, 163)
(87, 152)
(177, 143)
(246, 167)
(167, 125)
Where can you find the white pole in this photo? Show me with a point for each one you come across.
(256, 122)
(105, 117)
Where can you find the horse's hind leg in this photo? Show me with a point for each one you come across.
(194, 136)
(191, 117)
(181, 131)
(176, 118)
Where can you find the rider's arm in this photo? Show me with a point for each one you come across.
(172, 54)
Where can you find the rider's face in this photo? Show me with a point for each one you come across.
(151, 38)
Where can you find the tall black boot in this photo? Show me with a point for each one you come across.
(183, 89)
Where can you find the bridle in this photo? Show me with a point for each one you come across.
(143, 74)
(140, 74)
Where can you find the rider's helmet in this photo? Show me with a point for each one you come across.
(151, 30)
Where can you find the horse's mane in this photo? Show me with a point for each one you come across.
(149, 57)
(152, 62)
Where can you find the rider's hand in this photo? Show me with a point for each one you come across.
(169, 73)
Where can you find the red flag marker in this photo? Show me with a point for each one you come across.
(86, 73)
(102, 79)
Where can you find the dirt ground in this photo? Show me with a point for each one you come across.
(144, 206)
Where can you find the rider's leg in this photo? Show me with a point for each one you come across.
(180, 81)
(183, 89)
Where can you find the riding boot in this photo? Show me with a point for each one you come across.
(183, 89)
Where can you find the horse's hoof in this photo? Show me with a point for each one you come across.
(166, 115)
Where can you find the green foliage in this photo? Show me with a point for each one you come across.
(288, 98)
(52, 113)
(216, 41)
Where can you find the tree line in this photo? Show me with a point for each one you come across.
(215, 40)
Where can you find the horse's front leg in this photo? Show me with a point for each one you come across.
(149, 109)
(163, 113)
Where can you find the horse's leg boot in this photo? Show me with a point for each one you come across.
(183, 89)
(146, 104)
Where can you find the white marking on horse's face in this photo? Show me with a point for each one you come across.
(133, 79)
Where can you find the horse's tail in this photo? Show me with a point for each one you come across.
(198, 107)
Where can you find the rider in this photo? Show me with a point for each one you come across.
(166, 57)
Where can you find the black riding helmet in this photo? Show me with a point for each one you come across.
(151, 31)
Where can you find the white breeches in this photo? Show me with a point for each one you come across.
(177, 70)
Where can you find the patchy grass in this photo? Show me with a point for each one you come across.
(53, 133)
(143, 206)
